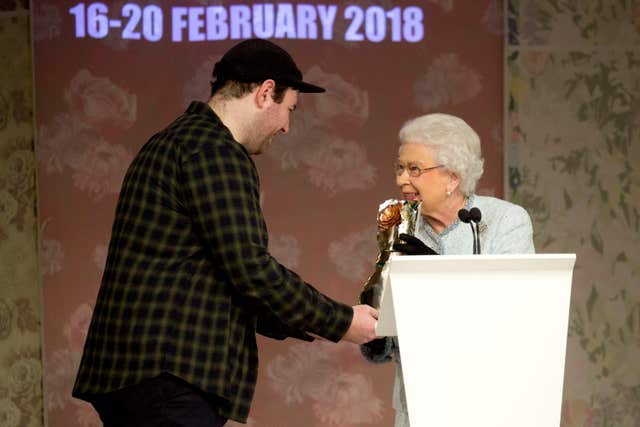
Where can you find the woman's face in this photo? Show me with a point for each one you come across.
(431, 186)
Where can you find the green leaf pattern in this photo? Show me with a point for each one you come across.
(573, 150)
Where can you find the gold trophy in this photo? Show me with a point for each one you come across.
(394, 217)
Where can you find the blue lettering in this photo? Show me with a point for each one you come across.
(217, 27)
(285, 22)
(196, 24)
(307, 28)
(263, 17)
(239, 20)
(327, 17)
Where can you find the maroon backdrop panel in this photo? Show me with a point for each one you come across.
(109, 75)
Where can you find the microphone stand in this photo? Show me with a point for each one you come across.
(472, 217)
(476, 216)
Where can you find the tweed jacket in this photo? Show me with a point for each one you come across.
(505, 228)
(189, 280)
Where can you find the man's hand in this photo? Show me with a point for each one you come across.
(363, 325)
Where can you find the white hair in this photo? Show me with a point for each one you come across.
(455, 145)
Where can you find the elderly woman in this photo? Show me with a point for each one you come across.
(439, 164)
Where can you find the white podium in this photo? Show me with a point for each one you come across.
(482, 337)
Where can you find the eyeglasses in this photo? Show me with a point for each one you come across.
(413, 170)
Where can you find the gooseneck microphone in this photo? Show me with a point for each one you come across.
(465, 216)
(476, 216)
(472, 217)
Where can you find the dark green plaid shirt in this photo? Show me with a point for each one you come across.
(189, 280)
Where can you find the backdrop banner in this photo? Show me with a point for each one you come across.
(108, 75)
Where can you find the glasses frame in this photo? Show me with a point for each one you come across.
(414, 171)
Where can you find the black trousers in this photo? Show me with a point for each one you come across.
(163, 401)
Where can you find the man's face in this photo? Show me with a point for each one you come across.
(274, 119)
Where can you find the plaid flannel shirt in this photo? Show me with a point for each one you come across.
(188, 279)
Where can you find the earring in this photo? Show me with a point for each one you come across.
(448, 193)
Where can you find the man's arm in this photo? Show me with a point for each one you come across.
(223, 194)
(271, 326)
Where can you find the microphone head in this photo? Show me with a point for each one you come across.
(464, 215)
(475, 215)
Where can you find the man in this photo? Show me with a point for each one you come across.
(189, 280)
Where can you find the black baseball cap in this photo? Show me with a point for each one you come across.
(257, 60)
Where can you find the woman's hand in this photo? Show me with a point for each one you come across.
(412, 246)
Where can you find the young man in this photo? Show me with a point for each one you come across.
(189, 280)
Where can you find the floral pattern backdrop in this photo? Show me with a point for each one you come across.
(573, 149)
(98, 106)
(21, 397)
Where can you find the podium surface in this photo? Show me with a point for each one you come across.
(482, 337)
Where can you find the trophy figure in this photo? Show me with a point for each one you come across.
(394, 217)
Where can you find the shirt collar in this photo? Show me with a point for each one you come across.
(202, 109)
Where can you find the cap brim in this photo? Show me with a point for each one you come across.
(309, 88)
(305, 87)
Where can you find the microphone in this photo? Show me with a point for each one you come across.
(476, 216)
(471, 217)
(464, 215)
